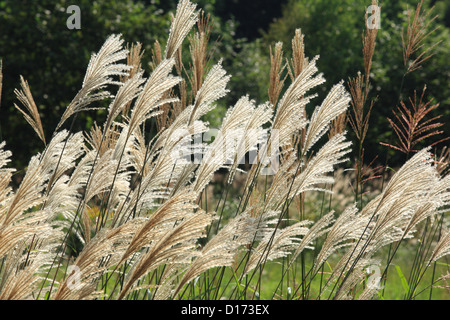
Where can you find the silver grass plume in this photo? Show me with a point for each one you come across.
(37, 230)
(105, 173)
(356, 278)
(336, 103)
(4, 156)
(223, 248)
(412, 194)
(159, 82)
(178, 137)
(102, 175)
(276, 82)
(61, 155)
(185, 18)
(138, 150)
(280, 181)
(437, 201)
(312, 175)
(318, 229)
(5, 177)
(170, 142)
(35, 233)
(404, 177)
(102, 252)
(28, 195)
(20, 284)
(317, 170)
(167, 166)
(126, 93)
(348, 226)
(368, 293)
(252, 135)
(102, 66)
(442, 248)
(22, 230)
(165, 290)
(22, 269)
(289, 117)
(32, 117)
(176, 246)
(60, 195)
(160, 222)
(282, 242)
(213, 88)
(223, 149)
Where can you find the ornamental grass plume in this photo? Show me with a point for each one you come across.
(416, 33)
(411, 126)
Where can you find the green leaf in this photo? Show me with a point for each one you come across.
(443, 264)
(403, 279)
(380, 295)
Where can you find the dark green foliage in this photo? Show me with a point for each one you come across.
(333, 30)
(36, 43)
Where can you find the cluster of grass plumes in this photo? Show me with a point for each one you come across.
(118, 213)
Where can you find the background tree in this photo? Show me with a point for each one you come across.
(333, 30)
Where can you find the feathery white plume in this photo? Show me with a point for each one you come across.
(289, 117)
(101, 68)
(336, 102)
(160, 81)
(213, 88)
(185, 18)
